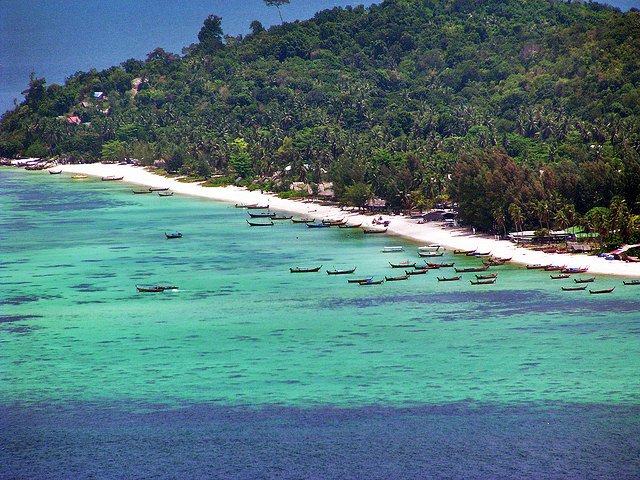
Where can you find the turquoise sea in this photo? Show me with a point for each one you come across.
(249, 371)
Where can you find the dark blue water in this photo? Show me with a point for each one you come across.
(453, 441)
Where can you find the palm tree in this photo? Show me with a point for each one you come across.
(277, 4)
(517, 216)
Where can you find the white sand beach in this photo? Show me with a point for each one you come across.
(422, 234)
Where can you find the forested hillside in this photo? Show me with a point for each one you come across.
(526, 113)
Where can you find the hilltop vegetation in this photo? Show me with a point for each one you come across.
(526, 113)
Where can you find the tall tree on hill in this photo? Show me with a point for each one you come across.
(277, 4)
(211, 35)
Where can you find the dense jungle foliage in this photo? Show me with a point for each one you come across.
(525, 113)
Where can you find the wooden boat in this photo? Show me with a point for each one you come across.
(260, 224)
(173, 235)
(489, 281)
(584, 280)
(111, 178)
(605, 290)
(574, 269)
(350, 225)
(431, 254)
(472, 269)
(244, 205)
(374, 230)
(499, 259)
(359, 280)
(553, 268)
(371, 282)
(395, 279)
(560, 276)
(141, 192)
(493, 263)
(55, 172)
(304, 270)
(429, 248)
(631, 282)
(449, 279)
(334, 223)
(318, 225)
(406, 264)
(487, 276)
(537, 266)
(281, 217)
(392, 249)
(262, 215)
(463, 252)
(439, 265)
(79, 177)
(165, 194)
(573, 289)
(158, 189)
(419, 271)
(150, 289)
(302, 220)
(341, 272)
(479, 254)
(255, 206)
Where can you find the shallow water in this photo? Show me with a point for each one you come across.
(244, 348)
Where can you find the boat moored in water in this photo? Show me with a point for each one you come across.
(392, 249)
(173, 235)
(165, 194)
(371, 282)
(489, 281)
(111, 178)
(487, 276)
(430, 254)
(141, 192)
(604, 290)
(395, 279)
(449, 279)
(574, 289)
(302, 220)
(631, 282)
(560, 276)
(262, 215)
(359, 280)
(472, 269)
(341, 272)
(318, 225)
(260, 224)
(55, 172)
(585, 280)
(304, 270)
(158, 189)
(405, 264)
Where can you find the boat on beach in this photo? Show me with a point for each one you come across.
(574, 289)
(79, 176)
(341, 272)
(260, 224)
(350, 225)
(111, 178)
(553, 268)
(463, 252)
(304, 269)
(255, 206)
(244, 205)
(374, 229)
(604, 290)
(158, 189)
(172, 235)
(537, 266)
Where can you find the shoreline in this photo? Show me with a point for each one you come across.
(400, 226)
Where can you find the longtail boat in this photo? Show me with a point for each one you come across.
(487, 276)
(584, 280)
(574, 289)
(605, 290)
(392, 249)
(244, 205)
(449, 279)
(371, 282)
(262, 214)
(318, 225)
(158, 189)
(359, 280)
(431, 254)
(165, 194)
(155, 288)
(553, 268)
(373, 230)
(479, 254)
(303, 220)
(489, 281)
(394, 279)
(560, 277)
(463, 252)
(537, 266)
(260, 224)
(79, 176)
(304, 270)
(341, 272)
(334, 223)
(173, 235)
(55, 172)
(472, 269)
(255, 206)
(574, 269)
(429, 248)
(141, 192)
(281, 217)
(350, 225)
(631, 282)
(111, 178)
(406, 264)
(421, 271)
(439, 265)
